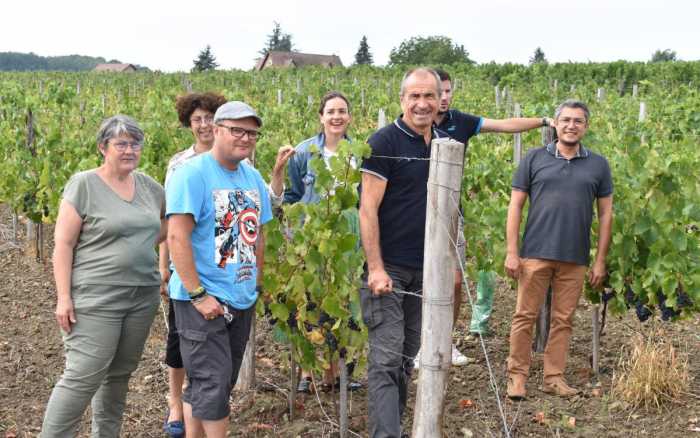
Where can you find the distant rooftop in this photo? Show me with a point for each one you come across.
(115, 67)
(296, 59)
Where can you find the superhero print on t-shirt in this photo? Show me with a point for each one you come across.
(236, 227)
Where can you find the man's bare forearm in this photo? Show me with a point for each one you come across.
(369, 232)
(181, 253)
(605, 221)
(513, 228)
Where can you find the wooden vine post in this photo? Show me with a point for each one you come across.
(545, 312)
(517, 139)
(293, 381)
(246, 375)
(381, 118)
(444, 181)
(34, 231)
(343, 414)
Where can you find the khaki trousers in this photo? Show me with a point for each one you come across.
(535, 278)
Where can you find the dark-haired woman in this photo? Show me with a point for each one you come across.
(334, 115)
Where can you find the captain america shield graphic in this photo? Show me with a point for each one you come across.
(248, 223)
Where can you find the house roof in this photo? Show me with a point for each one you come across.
(114, 67)
(297, 59)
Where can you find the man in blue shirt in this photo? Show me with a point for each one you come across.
(463, 126)
(216, 206)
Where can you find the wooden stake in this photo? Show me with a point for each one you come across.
(444, 183)
(600, 94)
(497, 91)
(596, 339)
(517, 139)
(547, 134)
(246, 375)
(40, 242)
(381, 118)
(542, 324)
(15, 219)
(279, 96)
(343, 369)
(293, 381)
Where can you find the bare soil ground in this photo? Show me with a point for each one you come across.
(31, 361)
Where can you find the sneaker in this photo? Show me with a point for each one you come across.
(458, 359)
(558, 386)
(174, 429)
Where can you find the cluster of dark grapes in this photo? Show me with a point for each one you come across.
(331, 341)
(667, 313)
(324, 320)
(268, 314)
(683, 300)
(642, 311)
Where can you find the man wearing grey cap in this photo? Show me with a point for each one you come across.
(216, 206)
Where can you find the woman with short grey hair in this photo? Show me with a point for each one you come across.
(109, 221)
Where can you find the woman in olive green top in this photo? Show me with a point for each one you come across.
(109, 222)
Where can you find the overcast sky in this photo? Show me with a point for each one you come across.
(168, 35)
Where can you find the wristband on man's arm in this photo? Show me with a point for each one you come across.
(199, 292)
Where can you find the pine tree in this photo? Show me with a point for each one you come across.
(538, 57)
(363, 55)
(205, 61)
(278, 41)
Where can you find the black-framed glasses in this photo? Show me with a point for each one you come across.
(238, 133)
(122, 145)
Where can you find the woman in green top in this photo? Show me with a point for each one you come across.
(109, 222)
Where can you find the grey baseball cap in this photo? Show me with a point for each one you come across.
(236, 110)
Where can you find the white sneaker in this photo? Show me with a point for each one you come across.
(458, 359)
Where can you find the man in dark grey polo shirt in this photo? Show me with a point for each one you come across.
(562, 180)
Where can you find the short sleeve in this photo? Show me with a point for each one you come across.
(156, 190)
(521, 178)
(169, 171)
(375, 164)
(76, 193)
(185, 193)
(471, 124)
(605, 188)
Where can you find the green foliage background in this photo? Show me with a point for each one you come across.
(654, 163)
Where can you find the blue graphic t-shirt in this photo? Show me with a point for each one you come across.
(228, 208)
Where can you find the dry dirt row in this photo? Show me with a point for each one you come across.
(31, 360)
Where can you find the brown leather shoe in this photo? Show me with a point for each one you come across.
(558, 386)
(516, 387)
